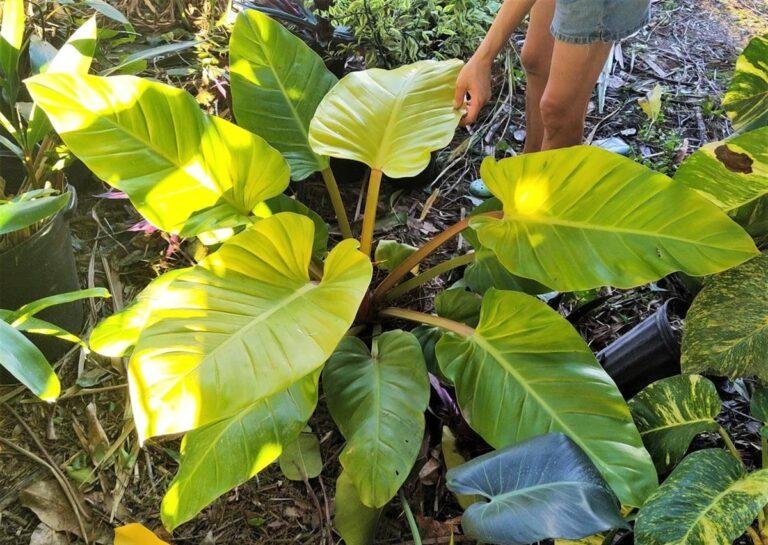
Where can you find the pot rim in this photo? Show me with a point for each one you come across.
(63, 214)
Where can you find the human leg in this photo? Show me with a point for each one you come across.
(573, 73)
(536, 56)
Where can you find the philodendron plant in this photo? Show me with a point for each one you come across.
(232, 351)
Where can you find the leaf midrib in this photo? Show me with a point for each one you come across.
(711, 505)
(555, 222)
(284, 93)
(263, 316)
(497, 355)
(523, 491)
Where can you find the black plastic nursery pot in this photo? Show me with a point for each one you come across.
(43, 265)
(648, 352)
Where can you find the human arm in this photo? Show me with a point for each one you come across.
(475, 78)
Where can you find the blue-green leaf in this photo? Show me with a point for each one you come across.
(543, 488)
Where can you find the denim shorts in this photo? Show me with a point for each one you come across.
(588, 21)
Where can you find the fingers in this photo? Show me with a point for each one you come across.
(461, 92)
(473, 111)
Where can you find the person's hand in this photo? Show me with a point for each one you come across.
(474, 80)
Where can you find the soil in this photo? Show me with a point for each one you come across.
(689, 48)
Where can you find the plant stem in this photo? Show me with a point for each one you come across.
(429, 319)
(399, 272)
(764, 451)
(411, 521)
(369, 215)
(729, 444)
(754, 536)
(338, 204)
(429, 274)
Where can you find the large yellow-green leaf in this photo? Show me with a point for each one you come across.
(354, 522)
(746, 100)
(242, 325)
(378, 399)
(730, 173)
(543, 488)
(221, 456)
(74, 57)
(671, 412)
(726, 329)
(524, 371)
(24, 361)
(277, 84)
(582, 217)
(185, 171)
(707, 500)
(117, 334)
(389, 119)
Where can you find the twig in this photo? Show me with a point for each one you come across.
(59, 478)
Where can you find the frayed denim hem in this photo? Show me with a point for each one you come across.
(584, 39)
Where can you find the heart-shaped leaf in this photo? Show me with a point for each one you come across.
(746, 100)
(543, 488)
(524, 371)
(726, 329)
(216, 458)
(731, 173)
(377, 399)
(185, 171)
(277, 84)
(671, 412)
(389, 119)
(24, 361)
(582, 217)
(355, 522)
(486, 272)
(301, 459)
(707, 500)
(242, 325)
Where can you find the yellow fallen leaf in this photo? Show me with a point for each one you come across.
(136, 534)
(651, 104)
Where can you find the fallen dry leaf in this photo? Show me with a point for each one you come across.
(45, 535)
(48, 502)
(136, 534)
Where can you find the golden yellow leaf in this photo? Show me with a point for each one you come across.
(136, 534)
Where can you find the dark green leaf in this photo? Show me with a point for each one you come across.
(377, 399)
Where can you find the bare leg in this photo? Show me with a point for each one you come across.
(572, 77)
(536, 56)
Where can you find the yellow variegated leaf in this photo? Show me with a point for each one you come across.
(747, 98)
(708, 499)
